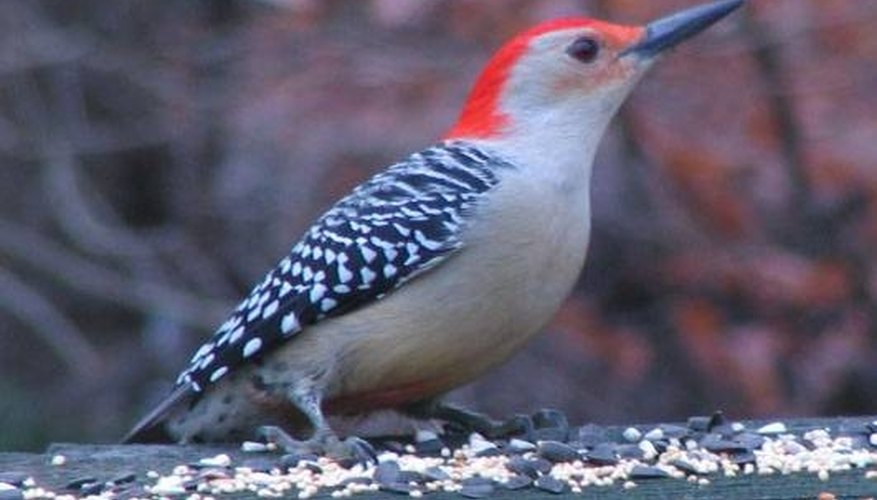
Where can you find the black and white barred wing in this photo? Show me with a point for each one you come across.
(397, 225)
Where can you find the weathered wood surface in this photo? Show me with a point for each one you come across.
(108, 462)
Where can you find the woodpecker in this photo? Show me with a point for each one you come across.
(435, 269)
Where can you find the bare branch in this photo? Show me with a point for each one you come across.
(84, 276)
(768, 61)
(51, 325)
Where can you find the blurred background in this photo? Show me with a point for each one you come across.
(156, 158)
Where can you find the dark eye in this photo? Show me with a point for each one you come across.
(585, 49)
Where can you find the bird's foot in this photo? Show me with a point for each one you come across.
(272, 434)
(517, 425)
(459, 418)
(543, 425)
(350, 451)
(467, 420)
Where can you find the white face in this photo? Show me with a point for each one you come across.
(562, 94)
(574, 76)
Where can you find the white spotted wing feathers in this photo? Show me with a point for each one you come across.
(400, 223)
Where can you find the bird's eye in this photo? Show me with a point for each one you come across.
(584, 49)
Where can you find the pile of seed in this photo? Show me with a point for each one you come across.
(542, 452)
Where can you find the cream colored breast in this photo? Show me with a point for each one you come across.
(523, 253)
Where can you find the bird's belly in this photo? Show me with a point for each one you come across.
(470, 314)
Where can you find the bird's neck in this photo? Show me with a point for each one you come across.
(554, 141)
(556, 150)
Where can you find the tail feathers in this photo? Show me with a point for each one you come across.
(150, 429)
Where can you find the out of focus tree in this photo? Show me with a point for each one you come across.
(157, 157)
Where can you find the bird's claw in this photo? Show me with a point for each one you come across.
(350, 451)
(518, 425)
(272, 434)
(466, 420)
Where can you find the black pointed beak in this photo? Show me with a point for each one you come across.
(669, 31)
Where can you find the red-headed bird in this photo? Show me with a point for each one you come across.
(437, 268)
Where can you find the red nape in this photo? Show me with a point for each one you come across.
(481, 117)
